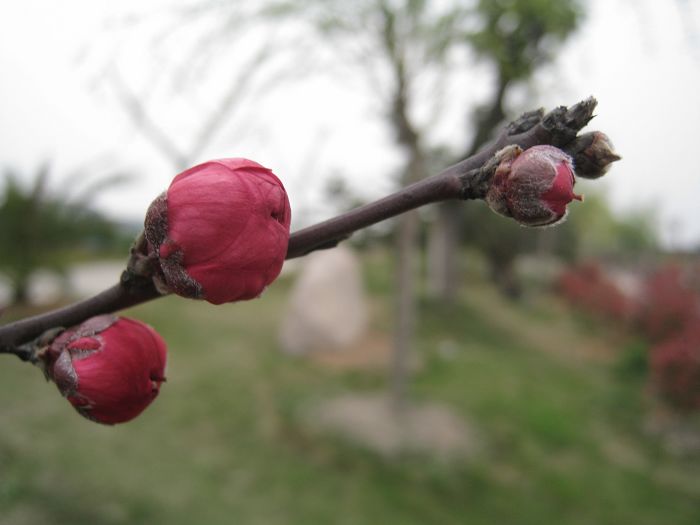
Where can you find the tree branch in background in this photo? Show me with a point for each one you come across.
(142, 120)
(254, 71)
(469, 179)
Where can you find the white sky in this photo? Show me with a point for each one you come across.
(641, 59)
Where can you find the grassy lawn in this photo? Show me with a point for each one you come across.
(561, 430)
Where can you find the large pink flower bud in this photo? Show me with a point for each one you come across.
(109, 368)
(533, 187)
(220, 232)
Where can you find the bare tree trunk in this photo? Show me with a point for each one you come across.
(443, 244)
(404, 307)
(407, 228)
(405, 289)
(20, 291)
(445, 231)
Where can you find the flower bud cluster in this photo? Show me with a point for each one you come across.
(219, 233)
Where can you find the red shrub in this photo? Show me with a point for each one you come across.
(586, 287)
(668, 304)
(675, 368)
(667, 313)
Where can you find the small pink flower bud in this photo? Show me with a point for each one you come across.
(220, 232)
(533, 187)
(109, 368)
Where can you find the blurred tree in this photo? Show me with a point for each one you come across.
(396, 45)
(38, 228)
(515, 37)
(392, 43)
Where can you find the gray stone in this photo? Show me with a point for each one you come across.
(430, 429)
(327, 308)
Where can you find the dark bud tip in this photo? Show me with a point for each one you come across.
(525, 122)
(593, 154)
(564, 123)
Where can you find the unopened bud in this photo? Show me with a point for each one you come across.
(220, 232)
(533, 187)
(593, 153)
(109, 368)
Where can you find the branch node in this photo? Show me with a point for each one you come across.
(476, 182)
(525, 122)
(564, 123)
(33, 350)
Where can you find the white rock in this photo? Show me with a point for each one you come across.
(327, 309)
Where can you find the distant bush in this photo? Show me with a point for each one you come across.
(675, 368)
(586, 287)
(670, 317)
(669, 304)
(666, 313)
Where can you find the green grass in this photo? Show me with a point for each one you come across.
(562, 434)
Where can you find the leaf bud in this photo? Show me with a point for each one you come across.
(593, 154)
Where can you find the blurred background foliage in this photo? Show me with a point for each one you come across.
(42, 228)
(561, 429)
(570, 353)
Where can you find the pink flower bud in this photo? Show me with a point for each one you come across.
(533, 187)
(220, 232)
(109, 368)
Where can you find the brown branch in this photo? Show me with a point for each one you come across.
(466, 180)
